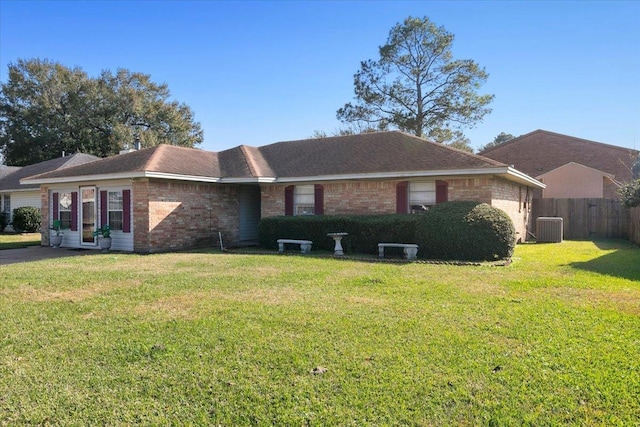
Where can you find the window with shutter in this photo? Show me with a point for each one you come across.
(62, 209)
(304, 200)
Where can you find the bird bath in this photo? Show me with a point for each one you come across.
(337, 251)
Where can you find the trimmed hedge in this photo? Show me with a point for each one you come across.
(468, 231)
(26, 219)
(365, 231)
(465, 231)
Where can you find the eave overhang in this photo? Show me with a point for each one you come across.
(506, 172)
(112, 176)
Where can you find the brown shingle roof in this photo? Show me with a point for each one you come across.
(367, 153)
(11, 181)
(383, 152)
(541, 151)
(162, 158)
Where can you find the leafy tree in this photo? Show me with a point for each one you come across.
(351, 129)
(630, 194)
(498, 140)
(47, 108)
(461, 144)
(416, 85)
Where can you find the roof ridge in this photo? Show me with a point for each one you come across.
(249, 159)
(153, 159)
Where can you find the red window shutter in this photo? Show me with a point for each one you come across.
(442, 191)
(288, 200)
(104, 218)
(126, 211)
(74, 211)
(402, 196)
(318, 195)
(56, 205)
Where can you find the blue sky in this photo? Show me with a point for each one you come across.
(260, 72)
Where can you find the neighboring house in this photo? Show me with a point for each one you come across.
(576, 181)
(15, 195)
(570, 167)
(168, 197)
(5, 197)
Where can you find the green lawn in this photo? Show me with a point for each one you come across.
(17, 240)
(231, 340)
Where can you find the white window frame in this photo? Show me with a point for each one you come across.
(6, 204)
(64, 205)
(304, 200)
(110, 210)
(422, 193)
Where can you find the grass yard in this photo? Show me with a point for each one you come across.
(18, 240)
(231, 340)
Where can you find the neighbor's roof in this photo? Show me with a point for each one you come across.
(11, 181)
(161, 160)
(542, 151)
(374, 155)
(6, 170)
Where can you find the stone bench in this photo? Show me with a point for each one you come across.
(410, 250)
(305, 245)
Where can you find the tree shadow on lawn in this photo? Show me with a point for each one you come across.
(624, 262)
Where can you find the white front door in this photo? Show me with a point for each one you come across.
(88, 215)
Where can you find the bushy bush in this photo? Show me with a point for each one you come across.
(26, 219)
(365, 231)
(469, 231)
(630, 194)
(4, 221)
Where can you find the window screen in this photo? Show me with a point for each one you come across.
(303, 200)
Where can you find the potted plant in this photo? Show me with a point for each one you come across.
(56, 239)
(104, 237)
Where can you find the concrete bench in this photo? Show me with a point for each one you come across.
(305, 245)
(410, 250)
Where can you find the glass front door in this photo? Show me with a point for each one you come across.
(89, 215)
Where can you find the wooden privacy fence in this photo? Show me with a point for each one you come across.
(589, 218)
(634, 225)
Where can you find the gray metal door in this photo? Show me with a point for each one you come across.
(249, 212)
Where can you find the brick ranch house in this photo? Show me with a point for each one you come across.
(168, 198)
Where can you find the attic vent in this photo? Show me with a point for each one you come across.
(549, 229)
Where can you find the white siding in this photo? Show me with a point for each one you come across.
(120, 241)
(20, 199)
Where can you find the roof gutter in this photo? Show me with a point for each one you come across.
(113, 176)
(506, 172)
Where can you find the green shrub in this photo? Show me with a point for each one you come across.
(4, 221)
(26, 219)
(630, 194)
(365, 231)
(469, 231)
(456, 230)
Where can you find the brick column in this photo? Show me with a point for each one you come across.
(44, 211)
(140, 209)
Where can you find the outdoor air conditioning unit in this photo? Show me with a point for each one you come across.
(549, 229)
